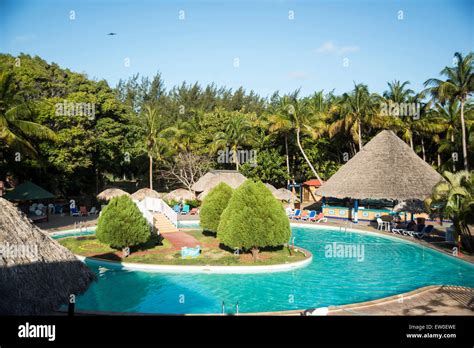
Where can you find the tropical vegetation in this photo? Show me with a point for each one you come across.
(143, 134)
(213, 205)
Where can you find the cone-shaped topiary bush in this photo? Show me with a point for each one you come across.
(121, 224)
(253, 219)
(213, 205)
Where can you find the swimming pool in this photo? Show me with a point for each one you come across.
(388, 267)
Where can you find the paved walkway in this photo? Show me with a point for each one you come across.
(430, 300)
(181, 239)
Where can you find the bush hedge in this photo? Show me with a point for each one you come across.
(213, 205)
(253, 219)
(121, 224)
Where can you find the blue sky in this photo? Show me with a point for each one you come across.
(274, 51)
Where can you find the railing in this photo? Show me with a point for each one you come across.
(158, 205)
(148, 216)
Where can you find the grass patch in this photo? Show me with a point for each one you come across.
(160, 251)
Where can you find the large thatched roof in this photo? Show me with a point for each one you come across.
(146, 192)
(110, 193)
(37, 274)
(231, 177)
(180, 194)
(385, 168)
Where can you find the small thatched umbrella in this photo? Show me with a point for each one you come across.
(110, 193)
(270, 187)
(145, 192)
(211, 179)
(282, 194)
(180, 194)
(385, 168)
(37, 274)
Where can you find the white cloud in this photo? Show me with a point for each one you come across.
(330, 47)
(298, 75)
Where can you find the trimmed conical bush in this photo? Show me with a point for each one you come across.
(213, 205)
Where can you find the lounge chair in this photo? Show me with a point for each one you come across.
(194, 211)
(74, 212)
(296, 214)
(176, 208)
(380, 224)
(185, 209)
(321, 218)
(424, 232)
(302, 216)
(83, 211)
(310, 216)
(93, 211)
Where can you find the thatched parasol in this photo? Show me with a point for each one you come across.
(110, 193)
(270, 187)
(180, 194)
(282, 194)
(211, 179)
(145, 192)
(385, 168)
(37, 274)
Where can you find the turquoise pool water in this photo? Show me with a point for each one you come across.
(73, 234)
(388, 267)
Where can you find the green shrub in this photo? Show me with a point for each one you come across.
(213, 205)
(121, 224)
(193, 203)
(253, 219)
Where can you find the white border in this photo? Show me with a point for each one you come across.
(199, 269)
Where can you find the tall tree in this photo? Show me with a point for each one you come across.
(458, 85)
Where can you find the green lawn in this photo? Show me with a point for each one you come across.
(165, 254)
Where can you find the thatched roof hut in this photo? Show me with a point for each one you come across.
(270, 187)
(180, 194)
(282, 194)
(110, 193)
(385, 168)
(211, 179)
(146, 192)
(37, 274)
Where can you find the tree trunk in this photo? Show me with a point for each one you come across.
(151, 171)
(423, 149)
(411, 141)
(463, 129)
(287, 160)
(360, 135)
(254, 251)
(454, 162)
(304, 155)
(236, 159)
(439, 160)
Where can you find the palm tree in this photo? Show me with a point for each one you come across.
(281, 123)
(397, 92)
(454, 198)
(152, 125)
(358, 108)
(458, 85)
(15, 126)
(297, 111)
(238, 132)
